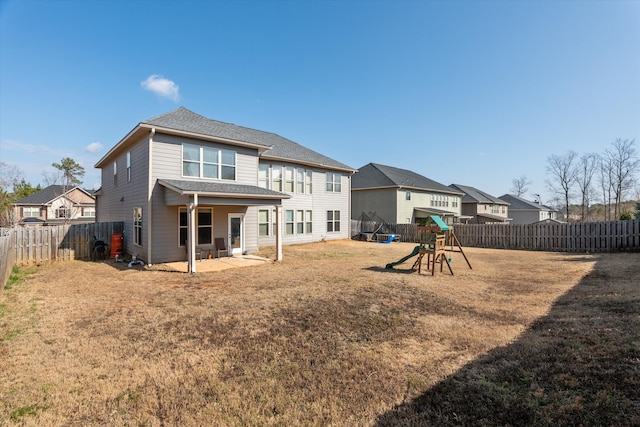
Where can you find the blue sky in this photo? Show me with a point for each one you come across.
(468, 92)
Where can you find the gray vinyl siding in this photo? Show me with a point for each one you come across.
(165, 229)
(319, 202)
(251, 229)
(325, 201)
(167, 159)
(117, 201)
(421, 199)
(167, 164)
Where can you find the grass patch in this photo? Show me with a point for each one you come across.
(18, 275)
(29, 410)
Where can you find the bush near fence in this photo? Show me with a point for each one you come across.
(608, 236)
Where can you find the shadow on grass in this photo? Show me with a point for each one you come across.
(396, 270)
(579, 365)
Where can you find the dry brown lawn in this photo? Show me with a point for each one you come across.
(327, 337)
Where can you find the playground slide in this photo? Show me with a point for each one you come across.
(390, 239)
(415, 252)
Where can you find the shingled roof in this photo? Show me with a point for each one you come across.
(47, 195)
(221, 189)
(518, 203)
(277, 147)
(473, 195)
(375, 175)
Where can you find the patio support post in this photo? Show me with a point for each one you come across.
(191, 231)
(278, 233)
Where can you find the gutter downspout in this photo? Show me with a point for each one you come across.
(149, 199)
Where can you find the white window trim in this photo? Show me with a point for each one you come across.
(201, 163)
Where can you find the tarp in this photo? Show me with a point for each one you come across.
(440, 222)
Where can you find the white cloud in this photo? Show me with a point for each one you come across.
(161, 87)
(94, 147)
(14, 145)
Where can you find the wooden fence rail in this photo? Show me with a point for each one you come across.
(609, 236)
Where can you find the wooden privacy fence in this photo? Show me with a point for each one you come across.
(7, 254)
(38, 244)
(609, 236)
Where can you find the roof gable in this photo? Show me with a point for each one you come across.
(375, 175)
(473, 195)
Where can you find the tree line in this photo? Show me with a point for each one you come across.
(609, 177)
(580, 182)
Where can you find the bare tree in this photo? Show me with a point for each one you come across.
(9, 176)
(562, 170)
(605, 178)
(585, 170)
(520, 186)
(624, 165)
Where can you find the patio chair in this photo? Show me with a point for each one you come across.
(197, 253)
(221, 247)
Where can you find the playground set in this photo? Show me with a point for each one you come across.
(435, 239)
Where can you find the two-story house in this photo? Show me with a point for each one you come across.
(400, 196)
(56, 204)
(181, 180)
(527, 212)
(482, 208)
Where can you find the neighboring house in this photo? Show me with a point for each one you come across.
(526, 212)
(480, 207)
(400, 196)
(56, 204)
(181, 180)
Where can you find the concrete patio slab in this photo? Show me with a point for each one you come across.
(215, 264)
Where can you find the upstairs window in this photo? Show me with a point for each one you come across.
(264, 180)
(31, 212)
(309, 182)
(208, 162)
(299, 180)
(62, 213)
(334, 182)
(228, 165)
(115, 174)
(289, 186)
(277, 178)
